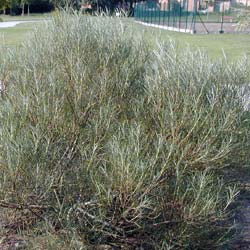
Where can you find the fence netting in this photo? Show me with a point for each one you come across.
(195, 16)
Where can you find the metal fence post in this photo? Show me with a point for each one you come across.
(194, 16)
(168, 11)
(160, 15)
(222, 18)
(187, 14)
(164, 13)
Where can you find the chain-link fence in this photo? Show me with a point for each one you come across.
(194, 16)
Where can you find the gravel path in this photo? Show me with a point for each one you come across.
(13, 23)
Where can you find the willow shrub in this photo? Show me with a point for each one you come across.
(119, 144)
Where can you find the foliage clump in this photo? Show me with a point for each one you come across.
(243, 22)
(104, 138)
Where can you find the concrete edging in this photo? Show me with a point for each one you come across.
(165, 27)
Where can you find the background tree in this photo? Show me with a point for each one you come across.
(243, 19)
(4, 4)
(111, 4)
(63, 3)
(22, 5)
(14, 7)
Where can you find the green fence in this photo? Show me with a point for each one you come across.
(195, 16)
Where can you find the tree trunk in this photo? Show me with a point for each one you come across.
(28, 9)
(131, 7)
(22, 9)
(4, 11)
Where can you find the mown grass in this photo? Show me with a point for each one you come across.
(217, 46)
(31, 17)
(233, 46)
(13, 37)
(105, 141)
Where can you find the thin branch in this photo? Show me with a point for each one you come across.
(17, 206)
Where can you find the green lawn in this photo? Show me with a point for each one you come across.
(26, 17)
(14, 36)
(232, 45)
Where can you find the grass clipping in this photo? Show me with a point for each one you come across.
(104, 138)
